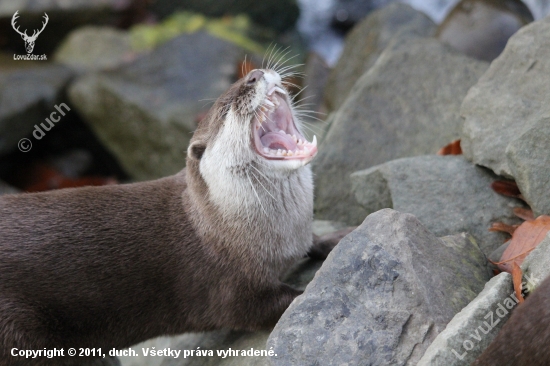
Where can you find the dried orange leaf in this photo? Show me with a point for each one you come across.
(525, 238)
(452, 149)
(500, 226)
(516, 279)
(524, 213)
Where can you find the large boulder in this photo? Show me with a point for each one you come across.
(381, 297)
(27, 98)
(448, 194)
(365, 43)
(94, 48)
(506, 114)
(528, 157)
(481, 28)
(407, 104)
(145, 112)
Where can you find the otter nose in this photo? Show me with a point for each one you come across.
(254, 77)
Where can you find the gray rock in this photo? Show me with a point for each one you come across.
(481, 28)
(145, 112)
(509, 99)
(528, 157)
(472, 330)
(315, 80)
(27, 97)
(407, 104)
(7, 189)
(381, 296)
(536, 266)
(448, 194)
(365, 43)
(95, 48)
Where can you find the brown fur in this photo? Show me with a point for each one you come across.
(112, 266)
(525, 338)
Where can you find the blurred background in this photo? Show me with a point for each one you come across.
(134, 77)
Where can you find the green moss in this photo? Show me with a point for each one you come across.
(233, 29)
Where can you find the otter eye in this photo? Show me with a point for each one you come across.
(196, 150)
(254, 77)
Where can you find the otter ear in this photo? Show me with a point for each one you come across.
(196, 149)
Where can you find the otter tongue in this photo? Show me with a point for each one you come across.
(278, 140)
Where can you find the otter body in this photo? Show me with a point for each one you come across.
(108, 267)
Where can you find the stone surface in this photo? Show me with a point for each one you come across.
(365, 43)
(28, 97)
(509, 99)
(381, 296)
(407, 104)
(528, 157)
(473, 329)
(145, 112)
(448, 194)
(481, 28)
(95, 48)
(536, 266)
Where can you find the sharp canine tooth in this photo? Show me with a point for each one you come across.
(280, 90)
(314, 142)
(269, 103)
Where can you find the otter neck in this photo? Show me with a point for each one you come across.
(263, 216)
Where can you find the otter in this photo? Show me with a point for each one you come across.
(108, 267)
(525, 337)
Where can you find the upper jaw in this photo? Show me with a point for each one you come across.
(275, 134)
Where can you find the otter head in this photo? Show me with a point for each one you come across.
(251, 134)
(254, 121)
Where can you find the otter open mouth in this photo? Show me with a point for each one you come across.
(274, 131)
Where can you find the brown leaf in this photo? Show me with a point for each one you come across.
(524, 213)
(507, 188)
(451, 149)
(517, 275)
(500, 226)
(525, 238)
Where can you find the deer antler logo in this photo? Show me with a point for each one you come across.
(29, 41)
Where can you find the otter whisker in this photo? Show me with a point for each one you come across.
(260, 183)
(270, 182)
(256, 193)
(278, 57)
